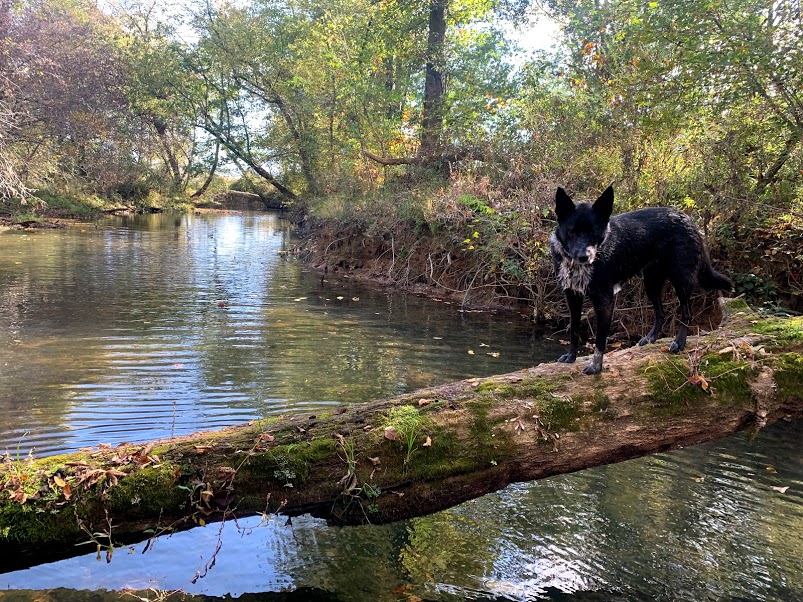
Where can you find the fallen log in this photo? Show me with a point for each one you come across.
(414, 454)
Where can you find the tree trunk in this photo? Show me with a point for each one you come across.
(211, 176)
(414, 454)
(430, 150)
(432, 120)
(170, 157)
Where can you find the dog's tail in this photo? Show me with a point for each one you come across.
(712, 280)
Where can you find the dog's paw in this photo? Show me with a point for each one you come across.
(645, 341)
(567, 358)
(675, 347)
(592, 368)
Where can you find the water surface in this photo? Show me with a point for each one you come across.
(151, 326)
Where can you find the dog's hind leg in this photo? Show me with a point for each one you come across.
(575, 302)
(654, 286)
(684, 295)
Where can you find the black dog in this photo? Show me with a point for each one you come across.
(594, 254)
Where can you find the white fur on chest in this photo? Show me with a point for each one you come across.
(572, 274)
(575, 276)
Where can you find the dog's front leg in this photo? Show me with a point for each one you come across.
(603, 308)
(575, 302)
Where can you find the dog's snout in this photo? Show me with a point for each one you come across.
(582, 258)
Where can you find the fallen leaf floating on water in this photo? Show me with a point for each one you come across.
(300, 299)
(493, 353)
(771, 469)
(484, 345)
(355, 298)
(391, 434)
(339, 297)
(471, 352)
(781, 489)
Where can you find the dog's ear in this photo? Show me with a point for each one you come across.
(563, 204)
(604, 204)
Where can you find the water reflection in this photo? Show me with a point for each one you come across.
(148, 326)
(696, 524)
(143, 327)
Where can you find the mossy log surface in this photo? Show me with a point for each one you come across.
(414, 454)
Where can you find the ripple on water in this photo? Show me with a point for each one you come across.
(167, 325)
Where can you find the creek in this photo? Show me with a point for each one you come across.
(145, 327)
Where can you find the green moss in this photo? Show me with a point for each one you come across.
(530, 388)
(599, 402)
(559, 413)
(148, 492)
(737, 305)
(440, 460)
(783, 330)
(290, 463)
(788, 369)
(26, 524)
(672, 392)
(491, 386)
(405, 419)
(728, 378)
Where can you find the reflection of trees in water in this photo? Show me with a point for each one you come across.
(649, 527)
(197, 319)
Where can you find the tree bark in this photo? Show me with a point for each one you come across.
(414, 454)
(430, 149)
(432, 120)
(210, 176)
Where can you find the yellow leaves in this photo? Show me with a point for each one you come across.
(427, 442)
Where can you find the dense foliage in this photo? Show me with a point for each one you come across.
(381, 118)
